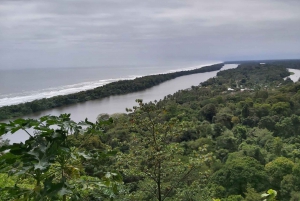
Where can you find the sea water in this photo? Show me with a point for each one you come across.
(24, 85)
(118, 104)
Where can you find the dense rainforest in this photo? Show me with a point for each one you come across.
(288, 63)
(232, 138)
(114, 88)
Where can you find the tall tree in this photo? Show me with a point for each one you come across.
(155, 163)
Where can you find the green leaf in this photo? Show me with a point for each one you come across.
(272, 192)
(41, 165)
(3, 128)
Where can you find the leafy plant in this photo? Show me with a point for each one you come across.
(270, 195)
(48, 158)
(156, 162)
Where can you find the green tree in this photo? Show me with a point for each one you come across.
(253, 151)
(233, 198)
(288, 126)
(223, 118)
(240, 132)
(227, 141)
(267, 122)
(295, 196)
(287, 185)
(245, 111)
(277, 169)
(262, 110)
(251, 194)
(155, 163)
(237, 173)
(49, 160)
(209, 111)
(282, 108)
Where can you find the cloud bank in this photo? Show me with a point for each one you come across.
(65, 33)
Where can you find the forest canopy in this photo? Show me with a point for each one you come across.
(206, 143)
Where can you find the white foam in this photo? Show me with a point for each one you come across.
(190, 68)
(13, 99)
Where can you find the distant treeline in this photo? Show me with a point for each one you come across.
(114, 88)
(249, 77)
(287, 63)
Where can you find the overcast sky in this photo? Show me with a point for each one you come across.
(65, 33)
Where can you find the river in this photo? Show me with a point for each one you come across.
(295, 77)
(118, 104)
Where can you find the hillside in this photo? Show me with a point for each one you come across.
(231, 138)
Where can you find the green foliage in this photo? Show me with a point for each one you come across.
(198, 144)
(209, 111)
(252, 74)
(7, 181)
(288, 126)
(48, 159)
(233, 198)
(251, 194)
(270, 195)
(227, 141)
(277, 169)
(156, 164)
(281, 108)
(253, 151)
(267, 122)
(240, 132)
(238, 172)
(295, 196)
(262, 110)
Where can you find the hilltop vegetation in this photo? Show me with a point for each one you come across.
(288, 63)
(202, 144)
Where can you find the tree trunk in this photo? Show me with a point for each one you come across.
(159, 183)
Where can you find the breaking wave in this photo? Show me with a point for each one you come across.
(17, 98)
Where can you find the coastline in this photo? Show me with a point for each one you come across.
(118, 103)
(36, 93)
(115, 88)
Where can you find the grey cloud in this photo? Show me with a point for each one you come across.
(92, 32)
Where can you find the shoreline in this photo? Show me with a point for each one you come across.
(29, 96)
(114, 88)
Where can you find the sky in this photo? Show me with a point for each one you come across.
(82, 33)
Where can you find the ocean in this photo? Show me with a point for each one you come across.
(118, 103)
(24, 85)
